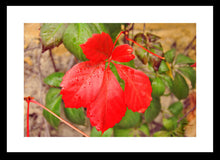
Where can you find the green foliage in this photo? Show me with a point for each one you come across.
(51, 34)
(162, 134)
(131, 119)
(190, 73)
(75, 115)
(153, 110)
(167, 80)
(158, 87)
(78, 33)
(54, 79)
(163, 67)
(180, 88)
(143, 130)
(113, 29)
(170, 123)
(53, 102)
(182, 59)
(95, 133)
(176, 108)
(129, 64)
(169, 55)
(128, 132)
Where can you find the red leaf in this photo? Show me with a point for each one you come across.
(98, 48)
(90, 85)
(122, 53)
(109, 107)
(81, 84)
(137, 88)
(193, 65)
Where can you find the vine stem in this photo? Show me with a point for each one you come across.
(186, 114)
(117, 38)
(126, 36)
(51, 57)
(144, 48)
(27, 99)
(30, 99)
(28, 103)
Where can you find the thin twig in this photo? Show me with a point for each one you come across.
(143, 32)
(28, 49)
(144, 48)
(51, 57)
(155, 129)
(189, 46)
(186, 114)
(61, 119)
(157, 124)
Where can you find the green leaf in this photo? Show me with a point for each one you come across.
(182, 59)
(118, 132)
(180, 87)
(78, 33)
(95, 133)
(51, 34)
(142, 55)
(162, 134)
(141, 39)
(145, 129)
(169, 55)
(163, 67)
(129, 64)
(153, 110)
(113, 29)
(52, 94)
(131, 119)
(53, 102)
(152, 37)
(176, 108)
(190, 73)
(100, 27)
(132, 132)
(114, 70)
(158, 87)
(157, 45)
(54, 79)
(170, 123)
(75, 115)
(167, 80)
(150, 67)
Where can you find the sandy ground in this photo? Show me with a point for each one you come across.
(37, 66)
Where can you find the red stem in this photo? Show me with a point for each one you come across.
(193, 65)
(144, 48)
(126, 36)
(30, 99)
(28, 102)
(117, 38)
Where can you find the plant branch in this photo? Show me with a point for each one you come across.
(28, 103)
(186, 114)
(28, 49)
(51, 56)
(186, 50)
(144, 48)
(61, 119)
